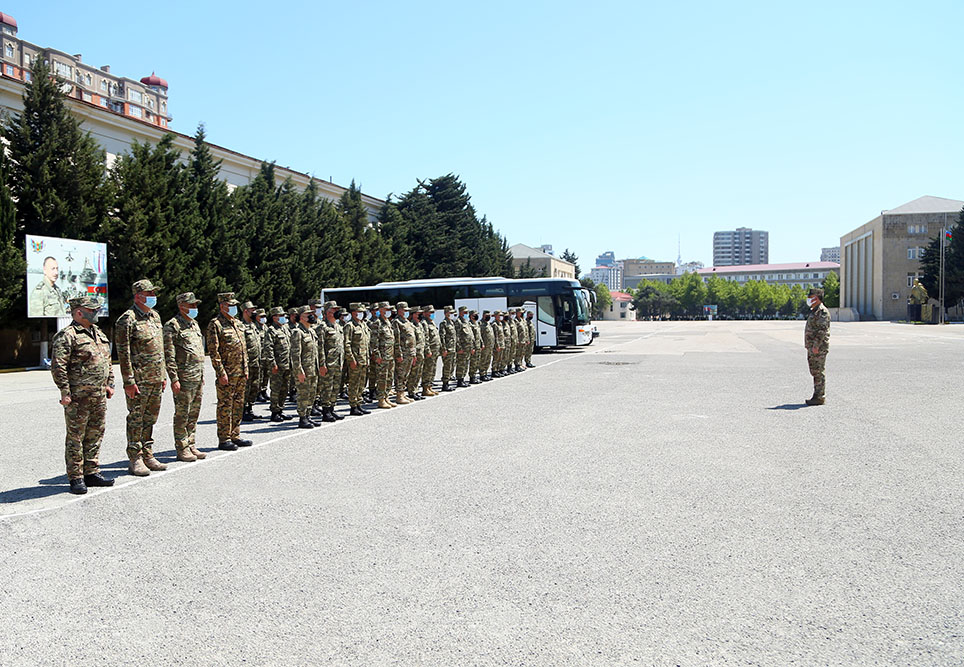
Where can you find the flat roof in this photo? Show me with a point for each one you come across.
(761, 268)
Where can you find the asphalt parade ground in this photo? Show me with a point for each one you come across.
(662, 496)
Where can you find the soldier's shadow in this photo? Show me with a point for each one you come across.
(789, 406)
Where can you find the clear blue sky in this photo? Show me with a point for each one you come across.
(594, 126)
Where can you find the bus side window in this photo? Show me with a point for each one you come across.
(546, 311)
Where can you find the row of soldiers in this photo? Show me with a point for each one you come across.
(318, 354)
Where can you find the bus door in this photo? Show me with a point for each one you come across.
(545, 322)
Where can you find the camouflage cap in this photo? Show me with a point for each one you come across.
(463, 309)
(428, 309)
(314, 303)
(277, 310)
(402, 305)
(382, 305)
(305, 309)
(247, 305)
(144, 285)
(330, 304)
(228, 298)
(449, 309)
(473, 312)
(259, 311)
(486, 312)
(292, 311)
(84, 302)
(187, 297)
(816, 291)
(356, 307)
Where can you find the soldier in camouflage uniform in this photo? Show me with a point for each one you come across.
(463, 346)
(293, 314)
(304, 365)
(184, 360)
(488, 343)
(81, 369)
(404, 353)
(498, 352)
(252, 341)
(343, 318)
(816, 337)
(512, 346)
(139, 337)
(229, 357)
(449, 350)
(522, 337)
(332, 344)
(46, 299)
(433, 349)
(415, 374)
(317, 320)
(357, 357)
(531, 338)
(372, 323)
(383, 349)
(277, 352)
(261, 322)
(476, 347)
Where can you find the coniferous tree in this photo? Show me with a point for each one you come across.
(930, 265)
(210, 195)
(12, 264)
(571, 257)
(373, 260)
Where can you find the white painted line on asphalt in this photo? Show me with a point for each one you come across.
(94, 492)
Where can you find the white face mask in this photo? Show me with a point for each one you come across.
(811, 301)
(261, 320)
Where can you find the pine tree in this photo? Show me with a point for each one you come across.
(210, 194)
(372, 253)
(571, 257)
(57, 174)
(12, 264)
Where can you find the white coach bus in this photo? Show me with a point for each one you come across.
(558, 304)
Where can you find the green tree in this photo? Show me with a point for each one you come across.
(690, 292)
(831, 290)
(209, 253)
(953, 265)
(603, 299)
(372, 252)
(12, 264)
(571, 257)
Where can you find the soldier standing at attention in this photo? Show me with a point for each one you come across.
(522, 332)
(498, 332)
(277, 352)
(261, 322)
(447, 341)
(383, 349)
(404, 355)
(372, 324)
(432, 351)
(816, 337)
(476, 347)
(81, 368)
(304, 365)
(229, 356)
(531, 332)
(415, 375)
(139, 337)
(292, 325)
(317, 319)
(252, 341)
(488, 342)
(463, 346)
(332, 344)
(184, 359)
(357, 356)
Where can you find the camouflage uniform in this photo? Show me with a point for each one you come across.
(139, 338)
(405, 347)
(415, 374)
(433, 349)
(531, 345)
(81, 368)
(511, 343)
(277, 352)
(498, 351)
(522, 337)
(357, 350)
(292, 325)
(383, 348)
(252, 343)
(229, 357)
(184, 358)
(373, 368)
(463, 345)
(488, 343)
(46, 300)
(265, 370)
(333, 358)
(476, 345)
(304, 359)
(447, 341)
(817, 335)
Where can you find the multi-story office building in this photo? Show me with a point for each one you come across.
(804, 274)
(144, 100)
(644, 265)
(741, 246)
(831, 254)
(881, 258)
(608, 258)
(610, 276)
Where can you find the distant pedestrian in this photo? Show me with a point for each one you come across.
(816, 337)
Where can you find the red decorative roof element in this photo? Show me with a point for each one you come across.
(154, 80)
(620, 296)
(7, 19)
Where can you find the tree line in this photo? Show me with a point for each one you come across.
(930, 264)
(169, 217)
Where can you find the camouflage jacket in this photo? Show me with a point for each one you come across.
(498, 333)
(384, 339)
(404, 332)
(817, 333)
(47, 301)
(447, 336)
(432, 342)
(476, 335)
(277, 346)
(263, 335)
(227, 347)
(511, 334)
(463, 335)
(80, 360)
(332, 343)
(357, 342)
(304, 351)
(521, 332)
(183, 349)
(488, 334)
(252, 340)
(531, 331)
(419, 339)
(139, 338)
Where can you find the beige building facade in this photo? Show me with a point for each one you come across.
(880, 259)
(550, 265)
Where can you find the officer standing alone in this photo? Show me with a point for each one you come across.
(817, 339)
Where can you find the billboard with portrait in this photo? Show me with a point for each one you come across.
(61, 269)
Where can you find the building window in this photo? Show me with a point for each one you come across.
(8, 70)
(134, 96)
(87, 97)
(26, 76)
(163, 105)
(150, 102)
(88, 80)
(103, 85)
(135, 111)
(8, 50)
(102, 100)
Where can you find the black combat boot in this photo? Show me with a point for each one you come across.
(315, 412)
(286, 417)
(328, 415)
(241, 442)
(227, 446)
(337, 416)
(77, 487)
(529, 364)
(356, 411)
(461, 383)
(304, 422)
(247, 415)
(276, 417)
(474, 380)
(97, 480)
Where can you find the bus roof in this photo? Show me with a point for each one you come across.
(446, 282)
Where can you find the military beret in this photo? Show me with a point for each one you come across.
(401, 305)
(143, 286)
(428, 309)
(247, 305)
(187, 297)
(228, 298)
(330, 304)
(84, 302)
(277, 310)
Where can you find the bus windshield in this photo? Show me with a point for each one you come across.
(582, 314)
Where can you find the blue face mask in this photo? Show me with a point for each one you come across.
(150, 301)
(192, 313)
(404, 316)
(282, 320)
(232, 310)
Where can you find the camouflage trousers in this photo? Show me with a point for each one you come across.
(520, 352)
(230, 407)
(415, 375)
(306, 393)
(343, 386)
(265, 375)
(462, 364)
(279, 388)
(403, 369)
(187, 407)
(85, 430)
(485, 360)
(528, 351)
(254, 384)
(141, 416)
(330, 386)
(429, 366)
(384, 372)
(817, 363)
(473, 363)
(372, 379)
(356, 384)
(496, 359)
(448, 366)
